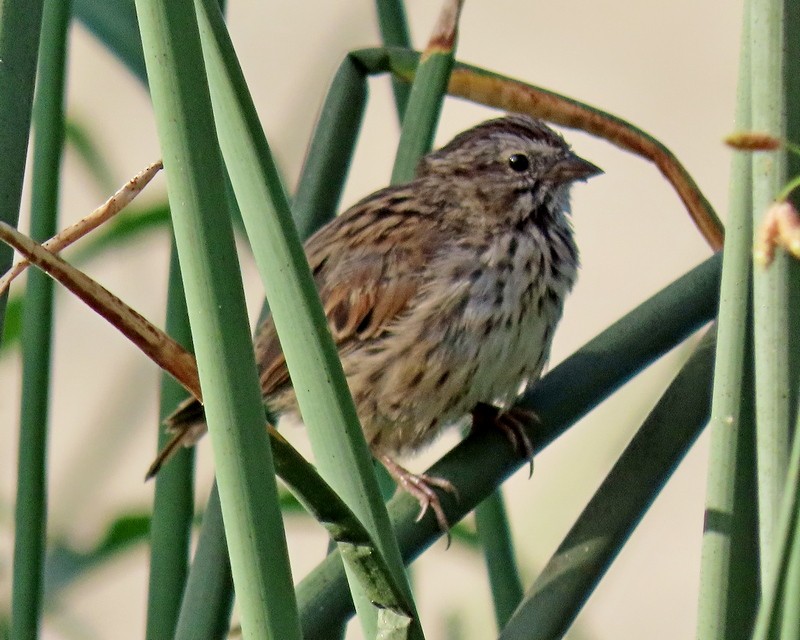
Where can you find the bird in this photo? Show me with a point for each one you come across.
(441, 294)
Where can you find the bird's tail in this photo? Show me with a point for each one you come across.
(187, 424)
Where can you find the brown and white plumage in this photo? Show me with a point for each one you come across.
(443, 293)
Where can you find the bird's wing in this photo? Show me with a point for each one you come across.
(368, 264)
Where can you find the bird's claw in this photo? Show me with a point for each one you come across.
(420, 487)
(512, 422)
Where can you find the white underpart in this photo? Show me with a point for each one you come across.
(508, 357)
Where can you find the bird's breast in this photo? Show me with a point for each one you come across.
(512, 301)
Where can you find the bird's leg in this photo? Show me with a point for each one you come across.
(511, 422)
(419, 486)
(780, 228)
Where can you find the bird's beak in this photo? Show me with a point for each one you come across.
(572, 168)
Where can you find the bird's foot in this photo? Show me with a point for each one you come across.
(512, 422)
(421, 487)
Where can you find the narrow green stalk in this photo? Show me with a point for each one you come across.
(359, 551)
(791, 81)
(20, 28)
(208, 599)
(427, 95)
(220, 332)
(327, 163)
(173, 505)
(561, 398)
(498, 551)
(778, 617)
(394, 33)
(729, 568)
(322, 394)
(790, 625)
(771, 324)
(779, 611)
(791, 614)
(31, 504)
(605, 525)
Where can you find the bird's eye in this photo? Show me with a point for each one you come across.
(519, 162)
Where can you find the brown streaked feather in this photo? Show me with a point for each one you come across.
(364, 285)
(187, 425)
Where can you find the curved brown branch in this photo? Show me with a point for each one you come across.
(156, 345)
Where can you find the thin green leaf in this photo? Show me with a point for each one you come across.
(729, 567)
(173, 504)
(214, 296)
(498, 549)
(778, 290)
(771, 313)
(427, 93)
(209, 586)
(322, 394)
(394, 33)
(20, 26)
(792, 93)
(30, 524)
(208, 598)
(777, 613)
(327, 162)
(358, 550)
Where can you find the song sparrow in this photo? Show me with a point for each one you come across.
(442, 294)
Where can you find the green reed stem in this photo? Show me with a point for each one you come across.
(327, 163)
(173, 504)
(328, 412)
(729, 567)
(208, 598)
(498, 550)
(779, 611)
(394, 33)
(425, 102)
(20, 28)
(771, 319)
(220, 331)
(31, 504)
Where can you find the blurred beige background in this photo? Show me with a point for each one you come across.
(667, 67)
